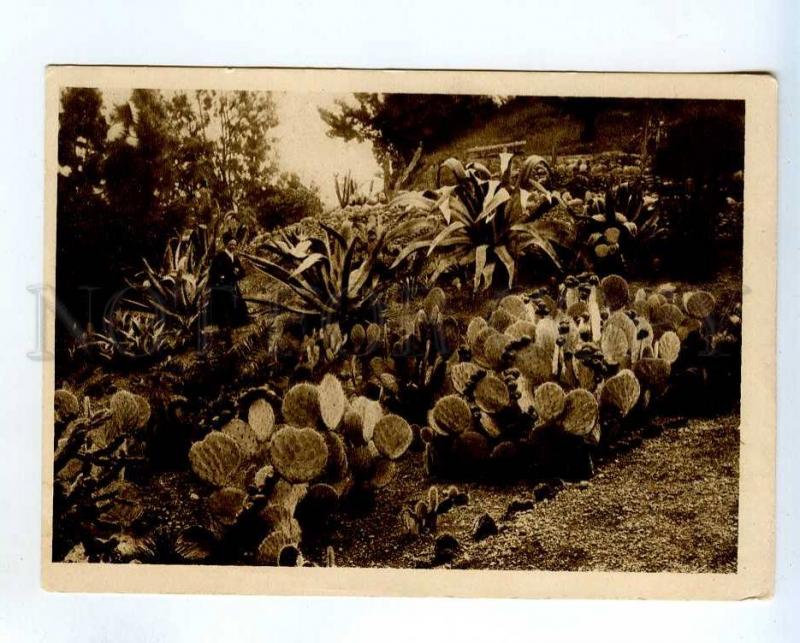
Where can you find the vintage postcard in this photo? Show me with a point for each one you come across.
(418, 333)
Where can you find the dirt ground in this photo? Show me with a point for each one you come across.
(666, 501)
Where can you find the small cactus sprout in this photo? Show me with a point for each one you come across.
(261, 419)
(450, 415)
(515, 305)
(521, 328)
(245, 437)
(614, 344)
(434, 300)
(615, 292)
(215, 458)
(699, 304)
(580, 412)
(299, 455)
(358, 337)
(669, 346)
(227, 504)
(548, 400)
(621, 392)
(66, 405)
(370, 412)
(461, 375)
(330, 557)
(332, 401)
(392, 436)
(491, 394)
(476, 325)
(300, 406)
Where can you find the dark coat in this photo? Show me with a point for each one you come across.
(225, 304)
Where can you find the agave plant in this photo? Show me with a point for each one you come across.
(131, 337)
(486, 222)
(617, 224)
(177, 290)
(334, 277)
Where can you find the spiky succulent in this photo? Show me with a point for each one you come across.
(486, 222)
(333, 277)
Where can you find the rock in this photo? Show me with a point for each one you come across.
(483, 527)
(517, 505)
(445, 548)
(547, 490)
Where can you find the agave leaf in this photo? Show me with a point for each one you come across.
(508, 261)
(480, 263)
(456, 225)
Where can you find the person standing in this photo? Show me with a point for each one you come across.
(227, 308)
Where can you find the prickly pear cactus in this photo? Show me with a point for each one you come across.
(299, 455)
(392, 436)
(215, 459)
(301, 405)
(621, 392)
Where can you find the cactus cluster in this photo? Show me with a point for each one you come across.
(566, 367)
(95, 445)
(290, 470)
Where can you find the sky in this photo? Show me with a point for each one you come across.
(302, 145)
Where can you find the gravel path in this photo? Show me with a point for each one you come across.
(667, 502)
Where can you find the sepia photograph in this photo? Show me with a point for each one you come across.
(427, 322)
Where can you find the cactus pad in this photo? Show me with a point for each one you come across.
(515, 305)
(300, 406)
(494, 349)
(363, 459)
(501, 319)
(285, 535)
(491, 394)
(261, 419)
(546, 334)
(336, 468)
(66, 405)
(332, 401)
(128, 411)
(358, 337)
(383, 474)
(535, 363)
(215, 458)
(699, 304)
(621, 391)
(476, 325)
(374, 335)
(244, 436)
(615, 292)
(548, 400)
(434, 299)
(392, 436)
(226, 504)
(521, 328)
(653, 373)
(580, 412)
(353, 426)
(624, 323)
(370, 412)
(614, 344)
(470, 450)
(299, 455)
(450, 415)
(461, 375)
(669, 346)
(489, 426)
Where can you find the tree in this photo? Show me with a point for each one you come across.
(396, 124)
(286, 201)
